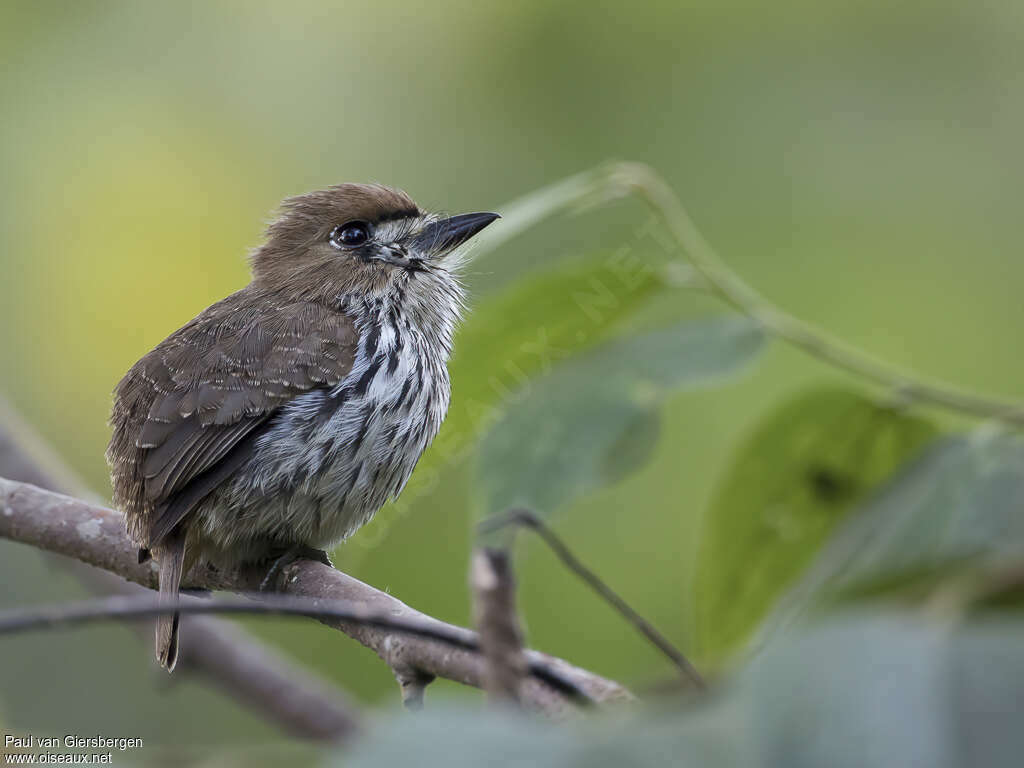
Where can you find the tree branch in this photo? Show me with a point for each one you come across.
(95, 535)
(501, 638)
(145, 606)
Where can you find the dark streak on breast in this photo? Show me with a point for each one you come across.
(363, 427)
(364, 381)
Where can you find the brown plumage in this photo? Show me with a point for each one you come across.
(284, 415)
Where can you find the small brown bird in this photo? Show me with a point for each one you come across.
(280, 419)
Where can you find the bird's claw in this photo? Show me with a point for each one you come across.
(290, 556)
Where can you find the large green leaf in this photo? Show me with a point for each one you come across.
(802, 470)
(962, 502)
(594, 418)
(863, 690)
(856, 691)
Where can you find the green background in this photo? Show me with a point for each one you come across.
(859, 163)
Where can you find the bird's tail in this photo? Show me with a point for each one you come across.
(171, 556)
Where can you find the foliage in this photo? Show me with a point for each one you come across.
(594, 418)
(959, 508)
(859, 690)
(834, 494)
(802, 470)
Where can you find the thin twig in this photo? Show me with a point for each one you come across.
(96, 536)
(618, 180)
(527, 519)
(501, 637)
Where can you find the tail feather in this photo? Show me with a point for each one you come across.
(171, 556)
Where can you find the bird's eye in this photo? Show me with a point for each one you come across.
(350, 235)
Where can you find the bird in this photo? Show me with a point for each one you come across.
(280, 419)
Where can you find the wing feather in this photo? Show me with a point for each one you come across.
(186, 414)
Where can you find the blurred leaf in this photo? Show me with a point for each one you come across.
(884, 690)
(962, 502)
(633, 448)
(472, 737)
(595, 416)
(795, 478)
(856, 691)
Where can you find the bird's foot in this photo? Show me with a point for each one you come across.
(319, 555)
(298, 552)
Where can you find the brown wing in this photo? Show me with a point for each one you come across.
(183, 413)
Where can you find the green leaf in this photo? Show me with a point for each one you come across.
(799, 474)
(864, 690)
(855, 691)
(594, 418)
(960, 504)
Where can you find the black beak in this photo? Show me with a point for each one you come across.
(442, 236)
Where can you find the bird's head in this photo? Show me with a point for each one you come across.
(361, 239)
